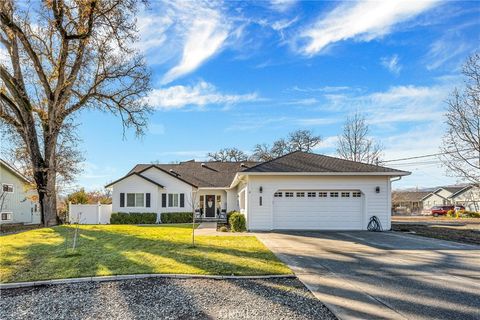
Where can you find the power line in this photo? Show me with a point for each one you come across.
(426, 156)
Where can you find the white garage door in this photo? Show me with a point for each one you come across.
(318, 210)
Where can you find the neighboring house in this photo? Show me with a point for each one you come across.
(468, 196)
(296, 191)
(441, 196)
(408, 202)
(18, 202)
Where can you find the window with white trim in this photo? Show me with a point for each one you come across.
(135, 200)
(7, 187)
(357, 194)
(278, 194)
(6, 216)
(300, 194)
(345, 194)
(322, 194)
(173, 200)
(333, 194)
(311, 194)
(288, 194)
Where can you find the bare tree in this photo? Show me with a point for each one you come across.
(261, 152)
(461, 142)
(227, 154)
(355, 144)
(299, 140)
(303, 140)
(65, 56)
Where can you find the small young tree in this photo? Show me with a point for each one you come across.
(355, 144)
(461, 142)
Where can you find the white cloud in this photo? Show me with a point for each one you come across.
(282, 5)
(362, 21)
(200, 94)
(205, 32)
(391, 64)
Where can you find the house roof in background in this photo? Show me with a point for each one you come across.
(299, 161)
(407, 196)
(13, 170)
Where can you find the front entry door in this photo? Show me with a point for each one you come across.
(210, 206)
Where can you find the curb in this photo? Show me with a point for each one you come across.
(15, 285)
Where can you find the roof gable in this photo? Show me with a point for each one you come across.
(134, 174)
(14, 171)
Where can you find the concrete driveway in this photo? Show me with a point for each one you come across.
(387, 275)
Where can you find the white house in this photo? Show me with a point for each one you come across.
(467, 195)
(296, 191)
(18, 202)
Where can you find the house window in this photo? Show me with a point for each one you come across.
(135, 200)
(278, 194)
(322, 194)
(288, 194)
(173, 200)
(312, 194)
(357, 194)
(300, 194)
(6, 216)
(334, 194)
(219, 202)
(8, 188)
(345, 194)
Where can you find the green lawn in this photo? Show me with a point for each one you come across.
(125, 249)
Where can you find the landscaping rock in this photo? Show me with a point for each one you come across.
(165, 298)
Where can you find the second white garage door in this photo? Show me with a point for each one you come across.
(318, 210)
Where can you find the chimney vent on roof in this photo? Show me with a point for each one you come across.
(173, 172)
(243, 165)
(203, 164)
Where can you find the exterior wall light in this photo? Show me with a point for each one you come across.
(261, 189)
(377, 189)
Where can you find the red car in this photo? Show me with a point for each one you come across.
(442, 210)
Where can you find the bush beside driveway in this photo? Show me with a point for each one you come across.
(130, 249)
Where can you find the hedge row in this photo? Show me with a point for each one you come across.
(133, 218)
(177, 217)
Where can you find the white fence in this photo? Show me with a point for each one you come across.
(89, 213)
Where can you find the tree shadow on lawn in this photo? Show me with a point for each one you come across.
(103, 252)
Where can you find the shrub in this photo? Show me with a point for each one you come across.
(229, 214)
(471, 214)
(177, 217)
(223, 229)
(133, 218)
(451, 214)
(237, 222)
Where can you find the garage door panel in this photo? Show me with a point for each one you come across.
(318, 213)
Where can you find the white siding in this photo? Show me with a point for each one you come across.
(135, 184)
(261, 217)
(19, 202)
(434, 200)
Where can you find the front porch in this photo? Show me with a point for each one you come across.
(212, 205)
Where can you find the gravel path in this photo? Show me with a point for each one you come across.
(156, 298)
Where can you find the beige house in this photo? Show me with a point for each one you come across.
(468, 196)
(18, 202)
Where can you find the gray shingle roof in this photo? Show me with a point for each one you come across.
(406, 196)
(299, 161)
(214, 174)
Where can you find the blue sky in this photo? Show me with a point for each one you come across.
(235, 74)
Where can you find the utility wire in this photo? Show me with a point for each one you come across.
(426, 156)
